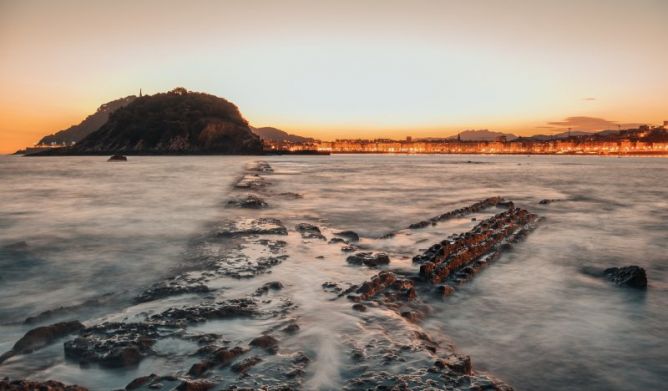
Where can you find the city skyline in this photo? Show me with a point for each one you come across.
(342, 69)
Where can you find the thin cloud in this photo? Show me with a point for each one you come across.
(589, 99)
(590, 124)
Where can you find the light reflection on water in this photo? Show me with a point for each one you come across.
(532, 319)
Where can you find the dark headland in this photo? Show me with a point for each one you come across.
(173, 123)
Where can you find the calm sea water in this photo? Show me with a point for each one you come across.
(95, 230)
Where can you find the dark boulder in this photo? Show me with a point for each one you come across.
(444, 290)
(248, 202)
(629, 276)
(245, 365)
(266, 342)
(273, 285)
(309, 231)
(117, 158)
(369, 259)
(351, 236)
(40, 337)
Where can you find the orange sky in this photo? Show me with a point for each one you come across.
(332, 69)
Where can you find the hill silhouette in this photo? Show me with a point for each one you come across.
(176, 122)
(93, 122)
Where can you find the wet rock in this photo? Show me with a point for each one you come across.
(337, 240)
(331, 287)
(444, 290)
(30, 385)
(289, 195)
(195, 385)
(259, 166)
(421, 224)
(629, 276)
(410, 316)
(113, 345)
(351, 236)
(359, 307)
(291, 328)
(117, 158)
(219, 358)
(248, 202)
(411, 294)
(368, 259)
(244, 267)
(457, 363)
(546, 201)
(262, 226)
(40, 337)
(245, 365)
(266, 342)
(300, 358)
(348, 249)
(273, 285)
(153, 381)
(170, 288)
(250, 181)
(194, 314)
(377, 284)
(506, 204)
(309, 231)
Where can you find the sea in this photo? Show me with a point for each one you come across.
(81, 237)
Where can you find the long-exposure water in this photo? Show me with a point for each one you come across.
(89, 235)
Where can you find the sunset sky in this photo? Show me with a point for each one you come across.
(331, 69)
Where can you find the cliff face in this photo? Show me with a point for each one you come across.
(177, 122)
(93, 122)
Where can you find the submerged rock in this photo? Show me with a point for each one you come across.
(250, 181)
(444, 290)
(219, 358)
(248, 202)
(266, 342)
(309, 231)
(31, 385)
(117, 158)
(245, 365)
(351, 236)
(259, 166)
(273, 285)
(369, 259)
(261, 226)
(421, 224)
(40, 337)
(629, 276)
(16, 246)
(170, 288)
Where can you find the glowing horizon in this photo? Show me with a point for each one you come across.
(342, 69)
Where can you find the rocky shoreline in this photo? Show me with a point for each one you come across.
(389, 300)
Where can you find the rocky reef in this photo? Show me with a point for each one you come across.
(246, 327)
